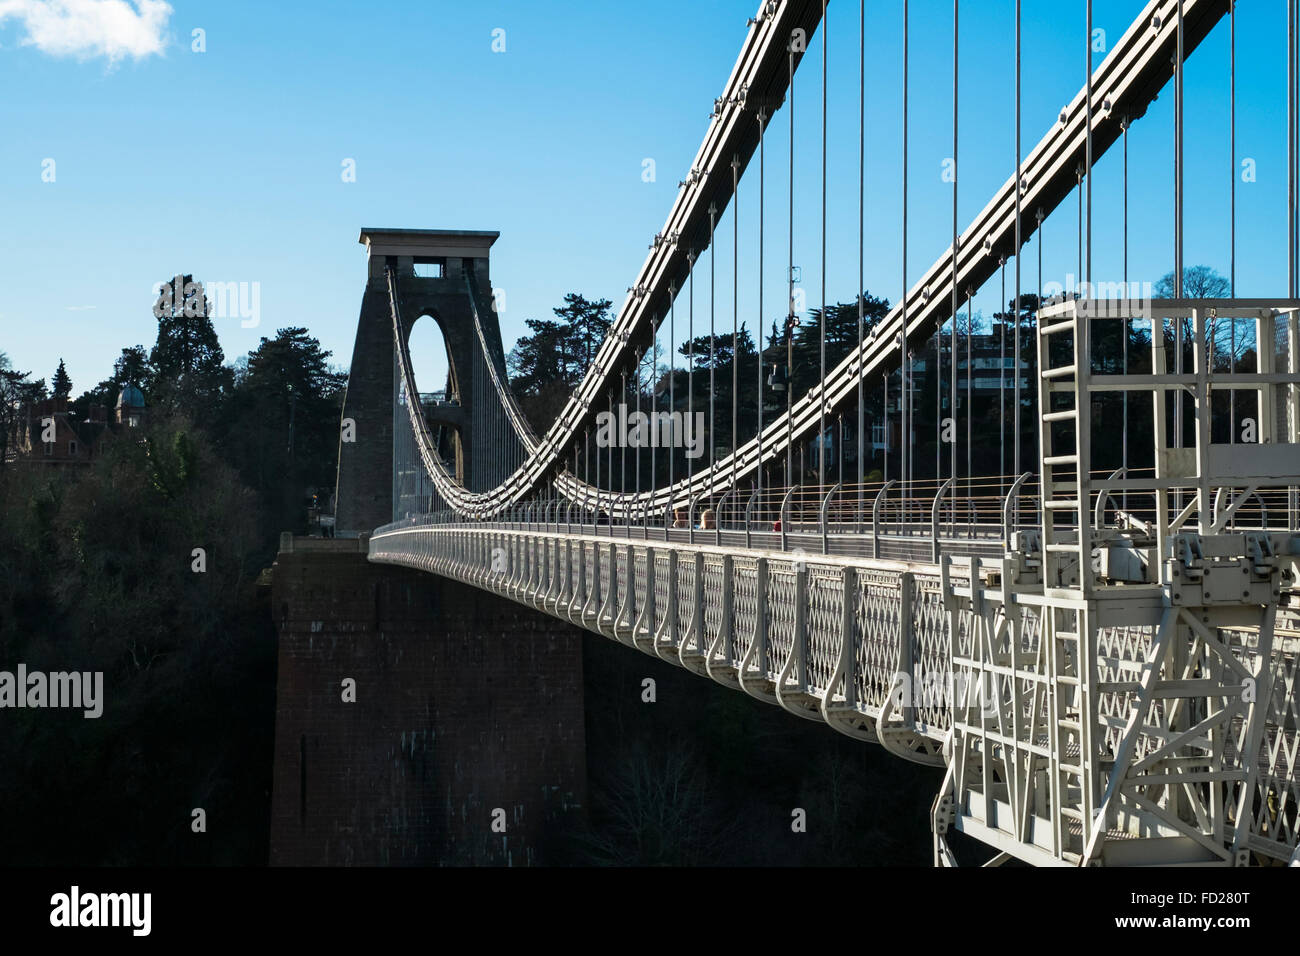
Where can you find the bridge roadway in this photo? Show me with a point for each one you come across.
(692, 597)
(901, 651)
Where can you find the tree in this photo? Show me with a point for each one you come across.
(1199, 282)
(131, 367)
(563, 348)
(841, 336)
(281, 423)
(32, 392)
(547, 365)
(775, 342)
(719, 355)
(724, 364)
(658, 811)
(588, 323)
(96, 567)
(539, 359)
(11, 383)
(17, 392)
(186, 361)
(61, 384)
(1202, 282)
(1020, 314)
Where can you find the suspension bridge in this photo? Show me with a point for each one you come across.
(1101, 653)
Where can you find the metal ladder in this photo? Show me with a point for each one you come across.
(1067, 566)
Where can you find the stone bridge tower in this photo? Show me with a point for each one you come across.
(452, 283)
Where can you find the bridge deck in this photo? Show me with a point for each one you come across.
(894, 651)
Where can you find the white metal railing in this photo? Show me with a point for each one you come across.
(774, 625)
(882, 650)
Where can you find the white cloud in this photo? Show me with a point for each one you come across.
(78, 308)
(87, 28)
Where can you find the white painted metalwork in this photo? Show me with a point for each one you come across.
(1119, 693)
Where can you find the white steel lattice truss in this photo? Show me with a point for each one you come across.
(867, 647)
(1124, 695)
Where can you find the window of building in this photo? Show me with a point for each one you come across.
(72, 449)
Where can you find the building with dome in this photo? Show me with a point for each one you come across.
(130, 407)
(51, 433)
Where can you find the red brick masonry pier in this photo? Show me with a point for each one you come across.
(465, 703)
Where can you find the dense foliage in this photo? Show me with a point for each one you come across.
(144, 564)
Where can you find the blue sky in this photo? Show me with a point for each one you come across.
(227, 163)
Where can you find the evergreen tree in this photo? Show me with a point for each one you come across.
(129, 368)
(841, 336)
(539, 359)
(588, 323)
(186, 361)
(61, 384)
(281, 423)
(547, 365)
(16, 392)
